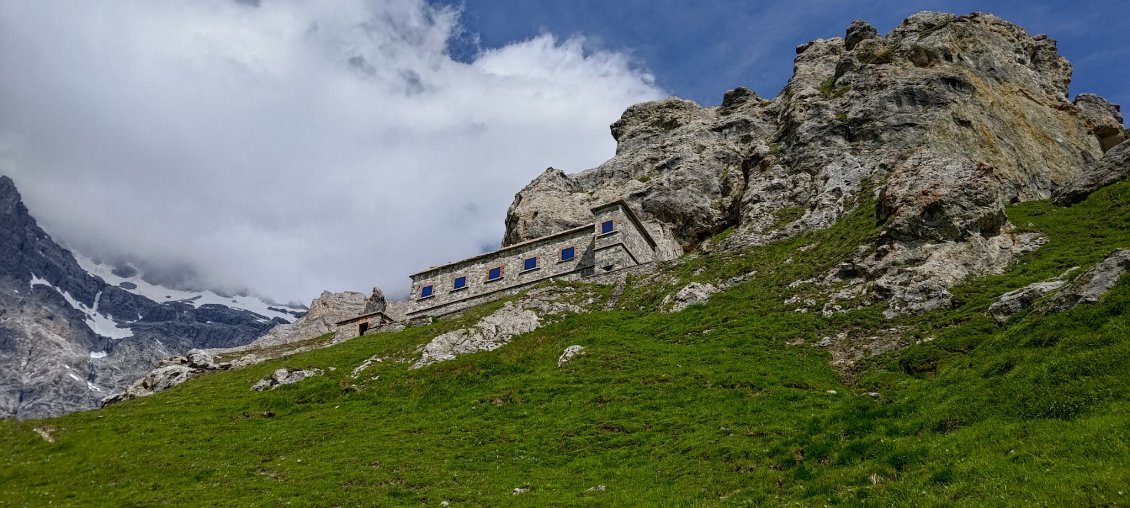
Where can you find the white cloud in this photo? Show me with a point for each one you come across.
(291, 147)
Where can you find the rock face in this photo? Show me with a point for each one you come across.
(944, 120)
(1103, 119)
(68, 339)
(1114, 166)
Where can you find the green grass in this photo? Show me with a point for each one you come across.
(711, 406)
(829, 90)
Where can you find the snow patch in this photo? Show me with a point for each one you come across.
(93, 387)
(97, 354)
(74, 376)
(161, 294)
(101, 324)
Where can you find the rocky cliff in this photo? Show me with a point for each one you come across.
(940, 123)
(68, 338)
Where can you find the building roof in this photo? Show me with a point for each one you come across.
(518, 246)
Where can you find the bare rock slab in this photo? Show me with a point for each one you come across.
(1091, 285)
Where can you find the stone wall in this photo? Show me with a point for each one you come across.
(629, 244)
(511, 259)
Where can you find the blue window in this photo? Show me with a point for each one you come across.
(494, 273)
(567, 253)
(607, 227)
(530, 263)
(460, 283)
(426, 291)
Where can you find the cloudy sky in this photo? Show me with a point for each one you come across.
(289, 146)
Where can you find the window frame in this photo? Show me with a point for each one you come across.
(611, 227)
(572, 253)
(429, 289)
(456, 286)
(526, 264)
(501, 273)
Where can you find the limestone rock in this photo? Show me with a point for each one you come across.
(281, 377)
(488, 334)
(376, 302)
(939, 198)
(1091, 285)
(1103, 119)
(1012, 302)
(947, 117)
(694, 293)
(325, 312)
(499, 328)
(857, 32)
(1113, 167)
(203, 360)
(569, 353)
(156, 380)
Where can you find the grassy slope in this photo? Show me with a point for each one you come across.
(710, 406)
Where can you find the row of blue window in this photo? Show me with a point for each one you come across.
(530, 263)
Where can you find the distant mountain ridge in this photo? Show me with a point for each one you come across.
(72, 332)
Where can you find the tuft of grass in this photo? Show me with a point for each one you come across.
(829, 90)
(883, 56)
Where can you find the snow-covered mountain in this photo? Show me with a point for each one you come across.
(74, 331)
(130, 279)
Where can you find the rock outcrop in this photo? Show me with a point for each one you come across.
(692, 294)
(1091, 285)
(943, 120)
(171, 372)
(569, 354)
(1012, 302)
(500, 327)
(325, 311)
(1113, 167)
(282, 377)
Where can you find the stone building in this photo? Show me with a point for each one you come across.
(373, 317)
(616, 240)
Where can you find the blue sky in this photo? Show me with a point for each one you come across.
(697, 50)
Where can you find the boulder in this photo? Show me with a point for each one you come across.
(569, 353)
(1113, 167)
(161, 378)
(203, 360)
(692, 294)
(281, 377)
(500, 327)
(1091, 285)
(1013, 302)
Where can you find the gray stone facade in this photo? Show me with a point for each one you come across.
(595, 251)
(360, 325)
